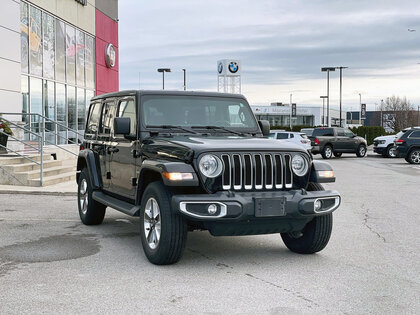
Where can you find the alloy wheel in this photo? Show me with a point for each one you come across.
(415, 157)
(83, 196)
(152, 223)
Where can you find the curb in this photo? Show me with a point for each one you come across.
(39, 193)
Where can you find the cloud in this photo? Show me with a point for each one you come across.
(282, 45)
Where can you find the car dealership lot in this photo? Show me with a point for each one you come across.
(50, 262)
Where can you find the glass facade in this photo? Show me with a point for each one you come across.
(284, 120)
(58, 74)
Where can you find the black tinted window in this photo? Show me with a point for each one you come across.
(93, 122)
(328, 132)
(107, 121)
(415, 134)
(282, 136)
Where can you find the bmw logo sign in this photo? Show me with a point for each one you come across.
(220, 67)
(233, 67)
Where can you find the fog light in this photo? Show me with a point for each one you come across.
(212, 209)
(317, 205)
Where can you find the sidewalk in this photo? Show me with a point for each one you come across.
(62, 189)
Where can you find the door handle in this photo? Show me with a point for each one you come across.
(113, 150)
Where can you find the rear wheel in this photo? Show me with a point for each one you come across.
(338, 154)
(361, 151)
(316, 234)
(327, 152)
(414, 156)
(91, 212)
(163, 232)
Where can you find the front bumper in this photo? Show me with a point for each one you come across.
(239, 206)
(379, 150)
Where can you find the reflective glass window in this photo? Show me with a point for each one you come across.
(71, 111)
(81, 109)
(89, 95)
(70, 54)
(35, 41)
(127, 108)
(25, 101)
(49, 111)
(48, 27)
(60, 94)
(80, 58)
(90, 61)
(35, 102)
(24, 37)
(60, 53)
(92, 126)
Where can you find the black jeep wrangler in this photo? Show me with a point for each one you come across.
(185, 161)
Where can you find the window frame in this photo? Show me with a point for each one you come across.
(117, 114)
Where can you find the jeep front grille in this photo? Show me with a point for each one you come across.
(256, 171)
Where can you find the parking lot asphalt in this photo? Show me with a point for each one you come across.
(51, 263)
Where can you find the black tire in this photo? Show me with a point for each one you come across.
(338, 154)
(390, 152)
(316, 234)
(361, 151)
(91, 212)
(413, 156)
(170, 245)
(327, 152)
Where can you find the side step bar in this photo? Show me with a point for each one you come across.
(117, 204)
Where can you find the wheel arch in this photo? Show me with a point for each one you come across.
(86, 159)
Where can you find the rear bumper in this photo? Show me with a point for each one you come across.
(243, 206)
(401, 151)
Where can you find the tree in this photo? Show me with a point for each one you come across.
(398, 113)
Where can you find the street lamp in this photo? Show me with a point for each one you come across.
(328, 69)
(163, 70)
(185, 79)
(323, 108)
(341, 87)
(360, 109)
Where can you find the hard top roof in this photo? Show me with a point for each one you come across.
(164, 92)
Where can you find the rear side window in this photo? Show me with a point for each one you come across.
(93, 121)
(127, 108)
(292, 135)
(340, 132)
(282, 136)
(327, 132)
(415, 134)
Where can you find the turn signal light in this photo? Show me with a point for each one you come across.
(178, 176)
(326, 174)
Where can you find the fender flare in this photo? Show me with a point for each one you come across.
(320, 166)
(87, 159)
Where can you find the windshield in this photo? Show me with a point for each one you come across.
(187, 111)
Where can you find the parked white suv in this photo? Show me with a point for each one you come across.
(385, 144)
(299, 138)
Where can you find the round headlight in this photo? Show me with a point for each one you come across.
(210, 165)
(299, 165)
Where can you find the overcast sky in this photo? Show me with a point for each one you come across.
(282, 46)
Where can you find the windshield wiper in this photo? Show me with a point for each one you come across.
(170, 127)
(219, 128)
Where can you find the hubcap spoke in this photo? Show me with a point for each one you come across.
(152, 223)
(83, 196)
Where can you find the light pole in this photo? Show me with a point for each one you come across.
(290, 117)
(418, 115)
(341, 88)
(328, 69)
(163, 70)
(185, 79)
(360, 109)
(323, 108)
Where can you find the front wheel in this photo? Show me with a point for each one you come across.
(361, 151)
(163, 233)
(316, 234)
(91, 212)
(414, 156)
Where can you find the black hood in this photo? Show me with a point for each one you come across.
(187, 147)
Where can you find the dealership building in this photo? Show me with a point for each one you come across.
(55, 56)
(279, 115)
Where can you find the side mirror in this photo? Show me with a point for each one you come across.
(265, 127)
(122, 126)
